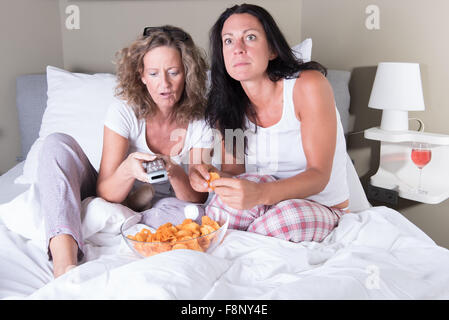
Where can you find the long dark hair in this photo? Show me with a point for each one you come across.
(227, 102)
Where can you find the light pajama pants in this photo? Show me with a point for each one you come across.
(65, 178)
(293, 220)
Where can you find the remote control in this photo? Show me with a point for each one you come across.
(156, 171)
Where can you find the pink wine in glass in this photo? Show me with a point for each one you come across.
(421, 157)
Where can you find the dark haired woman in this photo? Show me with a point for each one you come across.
(290, 182)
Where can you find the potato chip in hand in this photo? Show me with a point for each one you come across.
(213, 176)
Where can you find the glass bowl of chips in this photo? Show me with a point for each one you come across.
(145, 241)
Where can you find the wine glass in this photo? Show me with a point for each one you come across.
(421, 155)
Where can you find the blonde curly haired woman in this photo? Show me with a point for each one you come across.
(162, 80)
(158, 113)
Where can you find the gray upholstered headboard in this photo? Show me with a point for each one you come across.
(339, 81)
(31, 98)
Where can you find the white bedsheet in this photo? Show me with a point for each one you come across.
(373, 254)
(24, 266)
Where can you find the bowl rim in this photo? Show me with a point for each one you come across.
(169, 242)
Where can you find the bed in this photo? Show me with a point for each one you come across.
(374, 252)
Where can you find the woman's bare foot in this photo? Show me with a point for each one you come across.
(70, 267)
(60, 270)
(64, 251)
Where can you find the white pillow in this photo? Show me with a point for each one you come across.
(303, 50)
(357, 197)
(76, 105)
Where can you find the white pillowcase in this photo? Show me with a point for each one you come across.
(303, 50)
(76, 105)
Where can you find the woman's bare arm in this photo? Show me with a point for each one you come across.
(315, 107)
(118, 172)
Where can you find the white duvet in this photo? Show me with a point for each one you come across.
(373, 254)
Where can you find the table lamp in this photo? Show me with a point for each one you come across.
(397, 89)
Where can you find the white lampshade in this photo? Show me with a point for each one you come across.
(397, 89)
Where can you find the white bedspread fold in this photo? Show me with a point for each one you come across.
(100, 220)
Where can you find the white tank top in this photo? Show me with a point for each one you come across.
(278, 151)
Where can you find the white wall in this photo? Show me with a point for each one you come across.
(30, 37)
(107, 26)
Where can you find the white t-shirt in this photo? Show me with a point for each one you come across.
(121, 119)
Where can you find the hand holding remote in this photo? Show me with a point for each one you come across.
(134, 164)
(156, 171)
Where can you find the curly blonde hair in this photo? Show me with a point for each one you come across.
(130, 69)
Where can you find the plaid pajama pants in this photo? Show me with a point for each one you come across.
(293, 220)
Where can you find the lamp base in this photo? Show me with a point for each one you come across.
(394, 120)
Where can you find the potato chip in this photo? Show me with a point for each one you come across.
(192, 227)
(212, 176)
(179, 246)
(183, 233)
(167, 225)
(204, 242)
(155, 248)
(194, 245)
(165, 235)
(141, 237)
(206, 229)
(205, 220)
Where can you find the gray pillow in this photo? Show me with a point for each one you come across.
(339, 81)
(31, 100)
